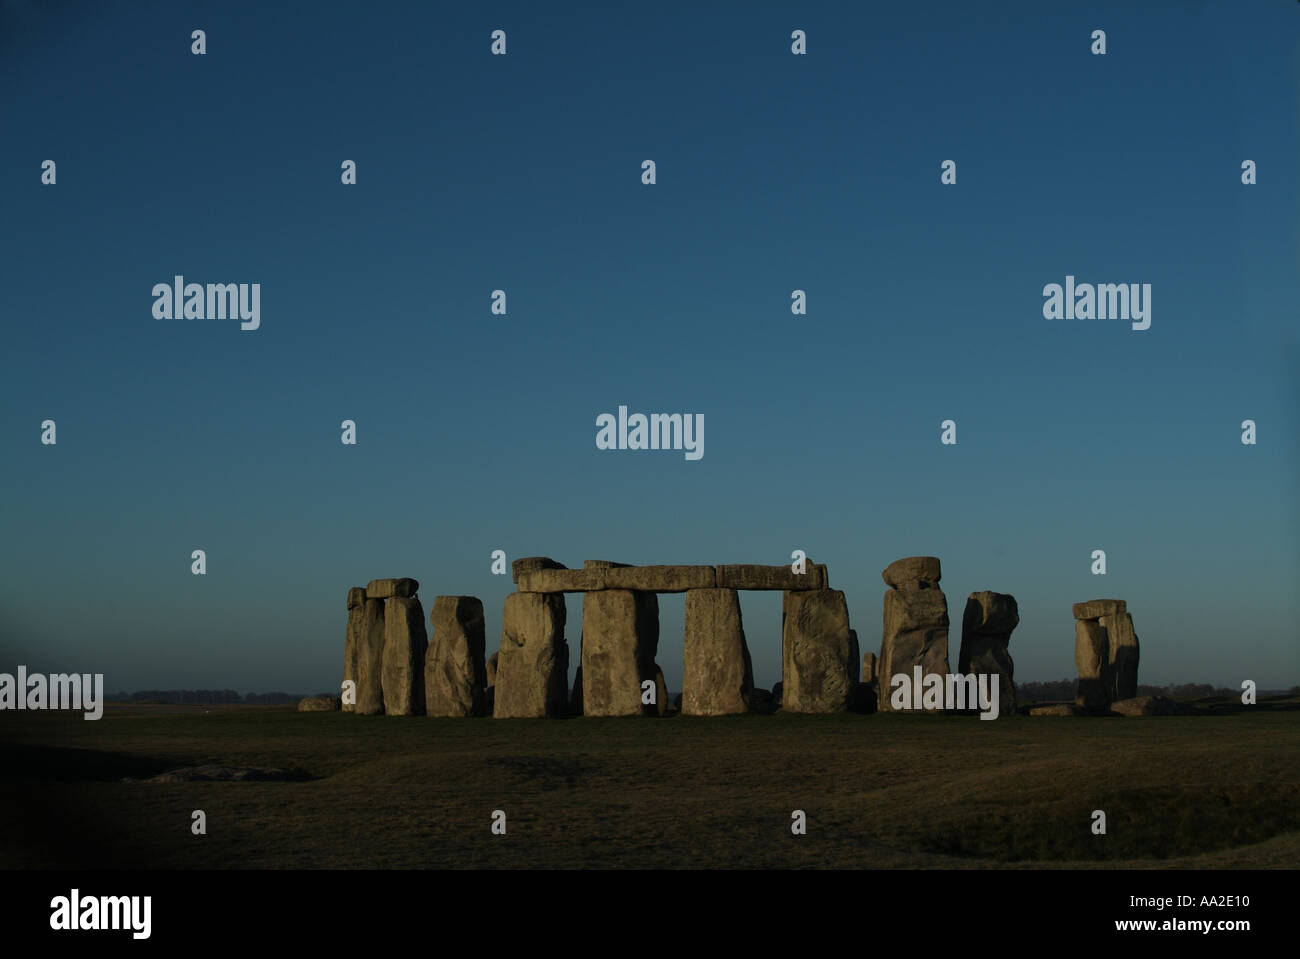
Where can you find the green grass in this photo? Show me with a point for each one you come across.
(882, 791)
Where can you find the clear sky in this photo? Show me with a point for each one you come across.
(522, 172)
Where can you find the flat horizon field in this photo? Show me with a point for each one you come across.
(880, 791)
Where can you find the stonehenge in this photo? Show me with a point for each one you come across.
(402, 667)
(533, 668)
(392, 665)
(718, 678)
(620, 637)
(1105, 653)
(986, 627)
(819, 657)
(915, 624)
(455, 674)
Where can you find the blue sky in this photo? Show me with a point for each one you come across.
(523, 172)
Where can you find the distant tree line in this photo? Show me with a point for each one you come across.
(203, 697)
(1063, 690)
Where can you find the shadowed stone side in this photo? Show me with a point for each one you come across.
(533, 662)
(405, 641)
(370, 659)
(915, 625)
(717, 677)
(455, 675)
(816, 652)
(986, 628)
(620, 637)
(1092, 657)
(356, 605)
(1123, 655)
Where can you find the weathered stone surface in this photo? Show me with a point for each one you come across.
(602, 564)
(533, 664)
(749, 576)
(915, 634)
(529, 564)
(855, 663)
(356, 613)
(911, 571)
(455, 675)
(986, 627)
(717, 674)
(620, 637)
(870, 665)
(561, 580)
(370, 659)
(1092, 658)
(659, 579)
(1097, 608)
(1123, 654)
(319, 704)
(388, 588)
(1058, 709)
(492, 669)
(817, 656)
(1150, 706)
(760, 701)
(405, 641)
(648, 579)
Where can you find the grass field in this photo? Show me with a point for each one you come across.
(884, 791)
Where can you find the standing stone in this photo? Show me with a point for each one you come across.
(455, 676)
(1092, 657)
(915, 628)
(405, 641)
(620, 637)
(370, 659)
(817, 654)
(718, 676)
(869, 666)
(533, 664)
(492, 669)
(986, 627)
(1123, 654)
(356, 610)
